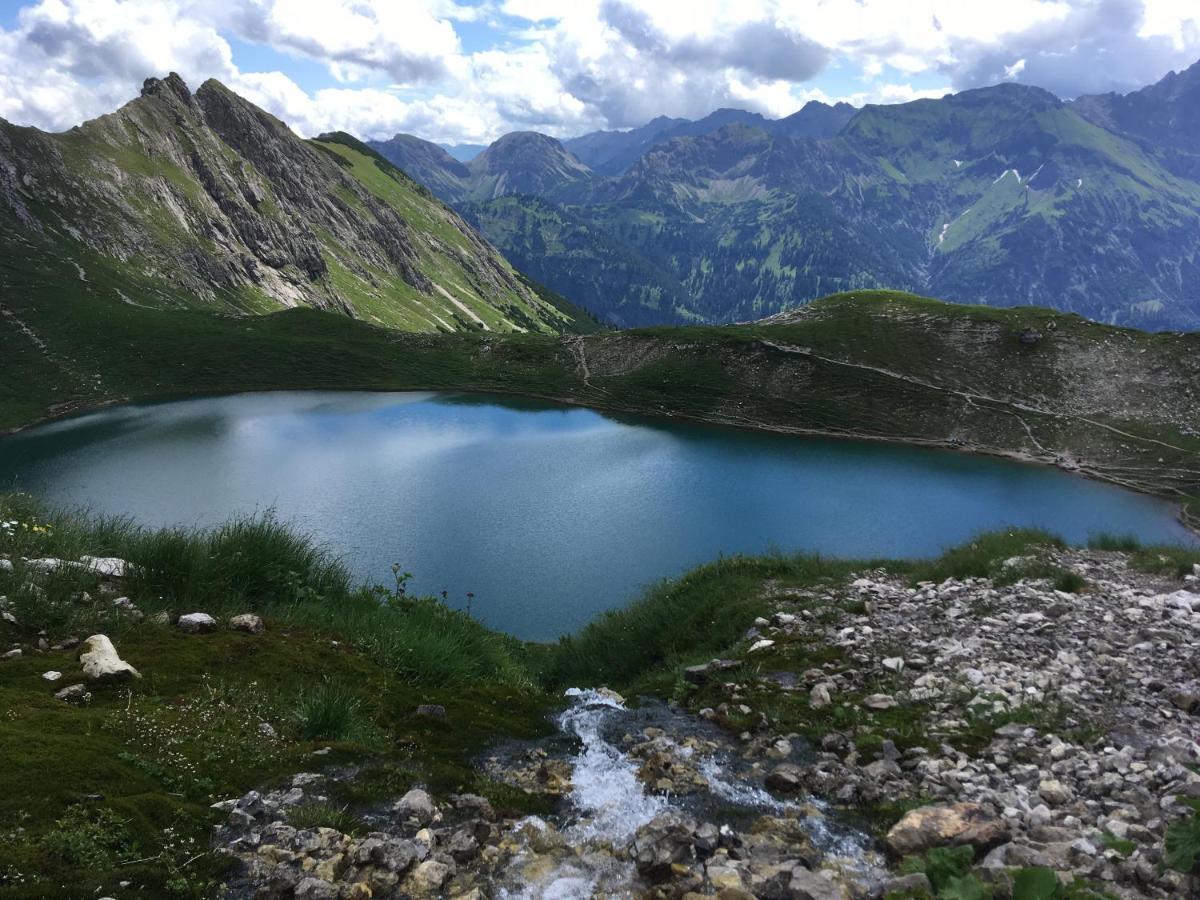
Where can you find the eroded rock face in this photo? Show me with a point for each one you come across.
(101, 663)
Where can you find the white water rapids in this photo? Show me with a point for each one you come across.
(608, 804)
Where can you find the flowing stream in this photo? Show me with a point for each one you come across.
(588, 852)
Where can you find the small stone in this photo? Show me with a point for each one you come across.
(1083, 847)
(806, 885)
(761, 645)
(785, 778)
(75, 693)
(6, 565)
(429, 876)
(820, 696)
(51, 676)
(880, 702)
(11, 654)
(416, 804)
(315, 889)
(1040, 815)
(894, 663)
(882, 769)
(247, 622)
(1054, 792)
(610, 695)
(1188, 701)
(267, 730)
(196, 623)
(105, 566)
(431, 711)
(781, 749)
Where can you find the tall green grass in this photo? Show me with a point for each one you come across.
(249, 564)
(683, 620)
(1165, 559)
(328, 711)
(985, 554)
(260, 564)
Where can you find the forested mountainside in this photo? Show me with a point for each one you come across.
(1004, 195)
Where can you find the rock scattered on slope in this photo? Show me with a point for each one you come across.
(247, 622)
(100, 661)
(196, 623)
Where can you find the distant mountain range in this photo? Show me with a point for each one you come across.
(1004, 195)
(203, 201)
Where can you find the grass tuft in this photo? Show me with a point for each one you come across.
(328, 712)
(1123, 543)
(318, 814)
(984, 556)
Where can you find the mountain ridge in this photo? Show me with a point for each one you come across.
(1003, 195)
(203, 200)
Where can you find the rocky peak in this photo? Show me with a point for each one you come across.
(172, 85)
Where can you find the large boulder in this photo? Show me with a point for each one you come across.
(196, 623)
(100, 661)
(947, 825)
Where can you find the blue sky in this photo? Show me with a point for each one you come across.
(470, 70)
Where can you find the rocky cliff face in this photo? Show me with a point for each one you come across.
(203, 200)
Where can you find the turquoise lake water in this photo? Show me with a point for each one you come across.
(548, 514)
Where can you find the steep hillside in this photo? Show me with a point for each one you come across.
(205, 201)
(1166, 113)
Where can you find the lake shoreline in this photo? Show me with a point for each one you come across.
(1187, 519)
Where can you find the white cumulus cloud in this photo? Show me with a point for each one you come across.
(454, 70)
